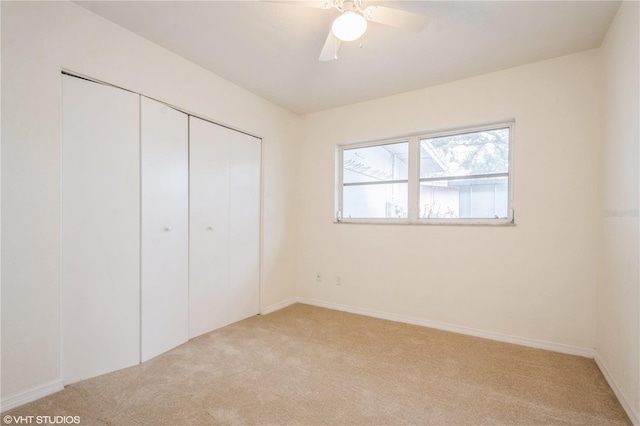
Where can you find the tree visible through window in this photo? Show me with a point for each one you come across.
(465, 175)
(461, 177)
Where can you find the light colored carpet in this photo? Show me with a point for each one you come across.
(305, 365)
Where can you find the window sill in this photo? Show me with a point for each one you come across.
(430, 222)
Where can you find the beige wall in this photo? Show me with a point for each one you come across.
(618, 293)
(538, 280)
(535, 280)
(38, 40)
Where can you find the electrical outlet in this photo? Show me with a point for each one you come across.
(318, 276)
(338, 279)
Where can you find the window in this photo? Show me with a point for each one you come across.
(459, 177)
(375, 181)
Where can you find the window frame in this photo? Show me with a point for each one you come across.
(413, 178)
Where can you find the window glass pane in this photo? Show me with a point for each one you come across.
(375, 201)
(476, 153)
(456, 176)
(478, 198)
(376, 163)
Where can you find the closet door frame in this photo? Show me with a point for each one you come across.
(137, 328)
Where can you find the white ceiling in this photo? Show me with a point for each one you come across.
(272, 49)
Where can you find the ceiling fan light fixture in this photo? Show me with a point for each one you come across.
(349, 26)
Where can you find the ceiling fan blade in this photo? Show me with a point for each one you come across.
(396, 18)
(330, 49)
(319, 4)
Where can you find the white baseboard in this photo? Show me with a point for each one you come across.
(628, 408)
(277, 306)
(523, 341)
(30, 395)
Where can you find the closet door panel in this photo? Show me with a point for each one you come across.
(164, 191)
(100, 309)
(244, 226)
(209, 227)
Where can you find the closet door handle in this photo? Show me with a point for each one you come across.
(209, 228)
(166, 228)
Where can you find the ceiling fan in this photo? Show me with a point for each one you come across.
(352, 22)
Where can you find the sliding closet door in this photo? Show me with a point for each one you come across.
(100, 229)
(224, 250)
(164, 189)
(244, 226)
(209, 226)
